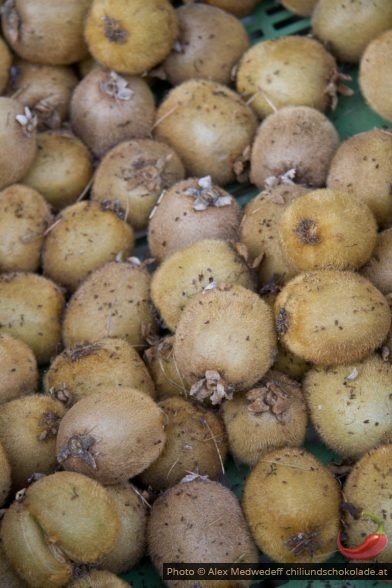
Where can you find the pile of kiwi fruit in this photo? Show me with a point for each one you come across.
(195, 286)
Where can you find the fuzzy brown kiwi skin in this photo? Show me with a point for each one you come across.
(99, 579)
(159, 359)
(8, 577)
(375, 73)
(18, 367)
(300, 7)
(378, 268)
(5, 65)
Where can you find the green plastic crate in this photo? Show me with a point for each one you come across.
(268, 21)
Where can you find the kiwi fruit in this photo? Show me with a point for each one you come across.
(347, 28)
(111, 435)
(350, 406)
(5, 65)
(195, 442)
(87, 368)
(45, 89)
(133, 175)
(84, 237)
(291, 502)
(31, 308)
(28, 429)
(259, 231)
(114, 301)
(271, 415)
(17, 131)
(327, 229)
(300, 7)
(189, 211)
(107, 109)
(193, 510)
(46, 31)
(64, 518)
(290, 364)
(18, 366)
(5, 477)
(224, 342)
(188, 271)
(209, 126)
(375, 74)
(209, 44)
(287, 71)
(331, 317)
(163, 368)
(24, 218)
(295, 142)
(362, 165)
(8, 577)
(99, 579)
(61, 170)
(377, 270)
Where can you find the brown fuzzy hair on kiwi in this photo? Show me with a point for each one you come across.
(18, 367)
(375, 74)
(298, 142)
(331, 317)
(163, 368)
(378, 268)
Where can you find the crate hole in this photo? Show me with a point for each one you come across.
(274, 9)
(286, 21)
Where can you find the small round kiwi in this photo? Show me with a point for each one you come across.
(8, 577)
(327, 229)
(84, 237)
(347, 28)
(61, 170)
(114, 301)
(291, 502)
(195, 442)
(17, 131)
(134, 174)
(375, 74)
(24, 218)
(368, 488)
(331, 317)
(362, 165)
(99, 579)
(112, 435)
(237, 7)
(31, 308)
(224, 342)
(5, 65)
(258, 231)
(107, 109)
(300, 7)
(46, 31)
(199, 521)
(131, 39)
(28, 429)
(188, 271)
(45, 89)
(287, 71)
(18, 367)
(298, 141)
(209, 44)
(269, 416)
(192, 210)
(87, 368)
(378, 268)
(350, 406)
(163, 369)
(5, 477)
(209, 126)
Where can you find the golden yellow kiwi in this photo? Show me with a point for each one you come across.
(291, 502)
(224, 342)
(107, 108)
(188, 271)
(347, 28)
(271, 415)
(195, 442)
(151, 167)
(5, 477)
(163, 369)
(45, 89)
(114, 301)
(350, 406)
(87, 368)
(18, 367)
(210, 511)
(300, 7)
(111, 435)
(362, 165)
(5, 65)
(61, 170)
(99, 579)
(28, 429)
(209, 44)
(331, 317)
(130, 38)
(327, 229)
(375, 74)
(24, 218)
(209, 126)
(31, 308)
(192, 210)
(378, 268)
(296, 142)
(287, 71)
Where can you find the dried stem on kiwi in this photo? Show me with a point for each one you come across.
(206, 195)
(304, 543)
(28, 121)
(78, 446)
(62, 394)
(334, 88)
(114, 31)
(282, 322)
(49, 422)
(270, 397)
(81, 350)
(307, 231)
(117, 87)
(211, 387)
